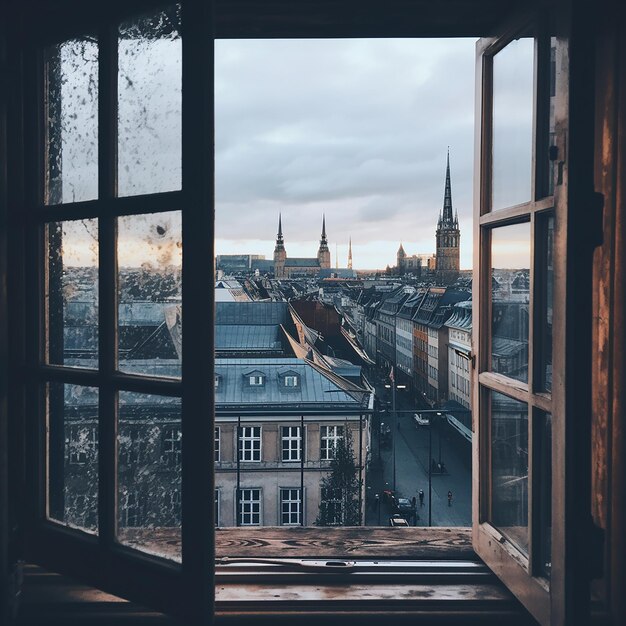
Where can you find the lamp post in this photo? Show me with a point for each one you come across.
(430, 466)
(393, 387)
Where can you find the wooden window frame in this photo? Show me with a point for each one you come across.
(299, 438)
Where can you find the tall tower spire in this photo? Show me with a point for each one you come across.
(280, 254)
(448, 236)
(448, 218)
(350, 254)
(323, 253)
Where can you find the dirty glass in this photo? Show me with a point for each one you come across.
(543, 457)
(513, 107)
(72, 121)
(509, 468)
(149, 250)
(73, 455)
(149, 473)
(149, 105)
(546, 278)
(72, 303)
(510, 300)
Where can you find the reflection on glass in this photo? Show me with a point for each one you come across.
(149, 473)
(73, 455)
(545, 349)
(509, 468)
(510, 294)
(149, 115)
(544, 458)
(513, 86)
(72, 301)
(72, 121)
(150, 313)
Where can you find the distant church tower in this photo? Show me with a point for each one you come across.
(280, 254)
(401, 260)
(448, 237)
(350, 254)
(323, 254)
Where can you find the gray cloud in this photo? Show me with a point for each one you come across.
(355, 128)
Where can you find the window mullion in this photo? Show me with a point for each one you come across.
(107, 285)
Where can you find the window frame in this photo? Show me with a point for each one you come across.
(327, 451)
(300, 438)
(252, 438)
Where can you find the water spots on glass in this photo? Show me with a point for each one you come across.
(149, 473)
(72, 293)
(150, 293)
(149, 109)
(73, 455)
(72, 121)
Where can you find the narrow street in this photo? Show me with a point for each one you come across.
(411, 467)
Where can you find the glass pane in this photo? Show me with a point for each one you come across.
(150, 314)
(73, 455)
(509, 468)
(149, 473)
(544, 349)
(72, 300)
(510, 294)
(149, 115)
(513, 88)
(543, 458)
(72, 121)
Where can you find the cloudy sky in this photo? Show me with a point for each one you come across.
(355, 129)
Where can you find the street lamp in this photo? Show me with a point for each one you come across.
(395, 426)
(430, 465)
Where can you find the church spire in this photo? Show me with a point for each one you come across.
(448, 218)
(280, 244)
(350, 254)
(323, 240)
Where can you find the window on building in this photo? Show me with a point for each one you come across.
(290, 507)
(249, 507)
(291, 381)
(291, 443)
(217, 507)
(131, 511)
(250, 443)
(256, 380)
(217, 444)
(330, 436)
(172, 439)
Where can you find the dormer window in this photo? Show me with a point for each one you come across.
(255, 380)
(291, 380)
(217, 381)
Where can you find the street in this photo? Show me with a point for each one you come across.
(411, 468)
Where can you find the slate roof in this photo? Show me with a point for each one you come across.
(250, 337)
(314, 387)
(251, 313)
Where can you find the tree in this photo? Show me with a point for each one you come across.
(339, 504)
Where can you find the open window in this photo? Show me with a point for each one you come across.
(525, 394)
(526, 422)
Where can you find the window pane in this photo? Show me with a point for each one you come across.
(543, 458)
(149, 473)
(513, 87)
(544, 347)
(509, 468)
(149, 116)
(73, 455)
(551, 130)
(72, 121)
(72, 300)
(510, 293)
(150, 314)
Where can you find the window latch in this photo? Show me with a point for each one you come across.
(335, 565)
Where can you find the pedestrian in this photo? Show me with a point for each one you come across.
(449, 498)
(421, 497)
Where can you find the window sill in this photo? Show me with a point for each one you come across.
(473, 596)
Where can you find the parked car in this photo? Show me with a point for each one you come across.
(398, 520)
(403, 506)
(421, 419)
